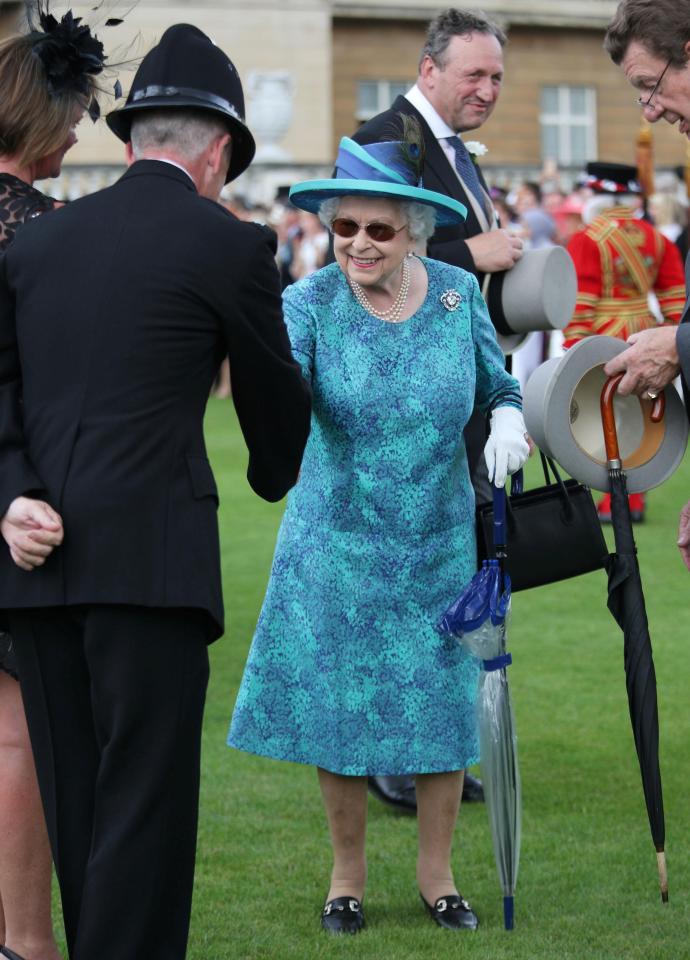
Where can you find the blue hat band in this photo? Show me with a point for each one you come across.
(351, 168)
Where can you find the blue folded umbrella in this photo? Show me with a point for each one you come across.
(478, 620)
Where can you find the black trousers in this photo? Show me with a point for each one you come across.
(114, 697)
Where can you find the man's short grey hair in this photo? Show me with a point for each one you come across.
(421, 218)
(456, 23)
(187, 132)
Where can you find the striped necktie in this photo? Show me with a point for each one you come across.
(464, 164)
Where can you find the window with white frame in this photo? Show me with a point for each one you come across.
(374, 96)
(568, 124)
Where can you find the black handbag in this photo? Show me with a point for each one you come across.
(552, 532)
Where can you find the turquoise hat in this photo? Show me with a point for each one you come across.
(376, 170)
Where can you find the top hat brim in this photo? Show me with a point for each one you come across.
(561, 407)
(312, 193)
(243, 144)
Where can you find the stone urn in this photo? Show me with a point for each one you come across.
(269, 112)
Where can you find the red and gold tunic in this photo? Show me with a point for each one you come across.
(619, 260)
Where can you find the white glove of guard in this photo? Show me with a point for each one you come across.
(506, 449)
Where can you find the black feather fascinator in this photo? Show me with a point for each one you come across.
(71, 54)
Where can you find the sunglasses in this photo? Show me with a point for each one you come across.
(378, 232)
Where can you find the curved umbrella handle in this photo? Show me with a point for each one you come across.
(609, 421)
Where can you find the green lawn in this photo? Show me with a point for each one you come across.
(587, 886)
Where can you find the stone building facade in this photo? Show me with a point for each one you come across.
(314, 69)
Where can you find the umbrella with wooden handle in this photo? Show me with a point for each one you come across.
(626, 603)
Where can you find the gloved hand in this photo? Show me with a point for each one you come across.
(506, 449)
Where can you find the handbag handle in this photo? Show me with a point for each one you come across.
(517, 485)
(517, 479)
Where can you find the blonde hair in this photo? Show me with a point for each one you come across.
(33, 122)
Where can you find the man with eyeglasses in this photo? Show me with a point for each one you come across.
(650, 41)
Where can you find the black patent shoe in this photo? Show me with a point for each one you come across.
(10, 954)
(342, 915)
(452, 913)
(398, 792)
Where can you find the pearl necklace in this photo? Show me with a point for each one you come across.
(394, 312)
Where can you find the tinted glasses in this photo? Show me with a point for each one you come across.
(378, 232)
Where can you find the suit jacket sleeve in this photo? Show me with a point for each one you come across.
(17, 475)
(683, 347)
(271, 397)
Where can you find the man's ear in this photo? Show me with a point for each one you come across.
(426, 69)
(220, 154)
(129, 153)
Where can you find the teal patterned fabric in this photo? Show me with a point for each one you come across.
(346, 670)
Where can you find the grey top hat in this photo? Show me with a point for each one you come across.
(562, 414)
(538, 293)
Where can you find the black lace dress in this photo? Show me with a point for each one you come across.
(18, 202)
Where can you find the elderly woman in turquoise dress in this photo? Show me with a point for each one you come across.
(347, 671)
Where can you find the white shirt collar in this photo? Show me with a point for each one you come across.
(442, 132)
(438, 126)
(179, 166)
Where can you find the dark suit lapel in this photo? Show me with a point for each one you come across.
(435, 159)
(436, 163)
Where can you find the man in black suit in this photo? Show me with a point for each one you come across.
(459, 81)
(460, 77)
(114, 318)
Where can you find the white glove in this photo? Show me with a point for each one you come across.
(506, 449)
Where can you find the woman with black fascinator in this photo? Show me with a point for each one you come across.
(47, 78)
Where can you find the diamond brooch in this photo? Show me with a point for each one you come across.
(451, 299)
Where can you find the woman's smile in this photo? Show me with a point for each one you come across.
(364, 263)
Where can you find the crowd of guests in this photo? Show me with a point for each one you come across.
(540, 211)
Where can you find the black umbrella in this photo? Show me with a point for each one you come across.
(626, 603)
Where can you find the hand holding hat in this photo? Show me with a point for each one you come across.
(507, 448)
(562, 408)
(649, 364)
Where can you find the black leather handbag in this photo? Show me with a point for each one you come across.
(553, 532)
